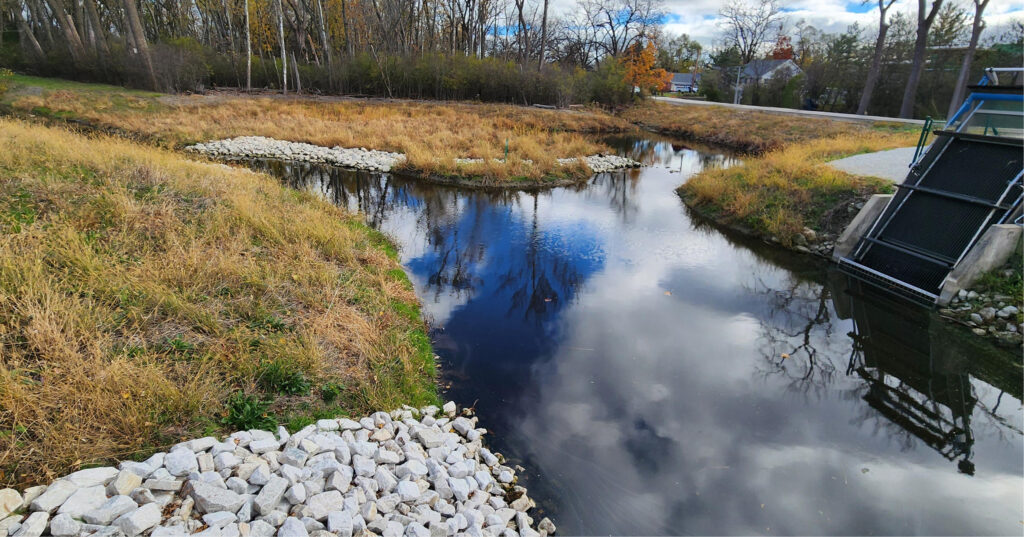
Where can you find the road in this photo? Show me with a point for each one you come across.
(791, 112)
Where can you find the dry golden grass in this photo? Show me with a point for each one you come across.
(138, 289)
(431, 135)
(783, 191)
(744, 130)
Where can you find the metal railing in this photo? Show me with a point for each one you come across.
(925, 129)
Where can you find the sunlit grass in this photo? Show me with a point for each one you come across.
(139, 289)
(786, 190)
(745, 130)
(431, 134)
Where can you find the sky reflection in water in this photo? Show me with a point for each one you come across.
(630, 358)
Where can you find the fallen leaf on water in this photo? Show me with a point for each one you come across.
(668, 293)
(785, 355)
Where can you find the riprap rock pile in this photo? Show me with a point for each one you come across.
(357, 158)
(262, 147)
(410, 473)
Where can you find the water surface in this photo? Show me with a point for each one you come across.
(654, 375)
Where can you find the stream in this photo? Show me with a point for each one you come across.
(656, 375)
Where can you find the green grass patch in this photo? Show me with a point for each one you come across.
(54, 84)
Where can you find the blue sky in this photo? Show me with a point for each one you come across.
(699, 18)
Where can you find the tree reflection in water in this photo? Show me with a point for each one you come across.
(499, 270)
(920, 379)
(465, 232)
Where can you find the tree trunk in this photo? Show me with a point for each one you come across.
(101, 35)
(248, 50)
(231, 31)
(295, 70)
(38, 14)
(323, 38)
(284, 55)
(132, 15)
(965, 67)
(345, 34)
(924, 24)
(543, 35)
(875, 71)
(67, 26)
(26, 34)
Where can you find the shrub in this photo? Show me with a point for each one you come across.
(248, 412)
(180, 65)
(331, 391)
(5, 80)
(280, 376)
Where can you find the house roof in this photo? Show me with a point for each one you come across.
(684, 79)
(759, 68)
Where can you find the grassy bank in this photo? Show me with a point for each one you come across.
(145, 298)
(744, 130)
(431, 134)
(779, 194)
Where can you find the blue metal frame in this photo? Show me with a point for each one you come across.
(980, 97)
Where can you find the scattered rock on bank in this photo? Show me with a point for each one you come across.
(603, 163)
(596, 163)
(410, 473)
(262, 147)
(998, 316)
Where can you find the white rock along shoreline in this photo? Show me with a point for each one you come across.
(357, 158)
(407, 473)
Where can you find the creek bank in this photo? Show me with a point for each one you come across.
(411, 472)
(817, 243)
(988, 314)
(719, 139)
(261, 147)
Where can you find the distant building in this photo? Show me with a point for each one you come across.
(764, 70)
(684, 82)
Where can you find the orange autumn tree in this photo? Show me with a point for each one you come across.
(639, 62)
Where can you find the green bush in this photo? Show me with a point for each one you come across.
(607, 84)
(283, 377)
(331, 391)
(5, 80)
(248, 412)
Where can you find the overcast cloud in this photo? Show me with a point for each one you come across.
(699, 18)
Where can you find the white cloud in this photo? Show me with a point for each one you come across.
(699, 18)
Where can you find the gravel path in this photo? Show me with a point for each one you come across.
(792, 111)
(408, 473)
(893, 164)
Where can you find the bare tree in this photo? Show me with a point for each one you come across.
(544, 34)
(284, 50)
(248, 49)
(617, 24)
(67, 26)
(924, 24)
(131, 14)
(749, 27)
(26, 35)
(965, 67)
(876, 60)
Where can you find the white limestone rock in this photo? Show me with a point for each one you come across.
(10, 501)
(139, 520)
(210, 498)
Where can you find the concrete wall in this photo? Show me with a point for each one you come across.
(991, 251)
(860, 225)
